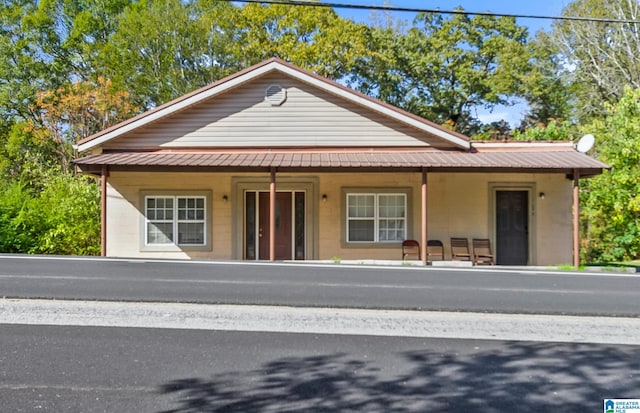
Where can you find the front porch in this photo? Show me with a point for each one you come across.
(455, 204)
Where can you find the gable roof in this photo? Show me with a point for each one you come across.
(452, 138)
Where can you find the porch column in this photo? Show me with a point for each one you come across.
(576, 218)
(424, 235)
(272, 216)
(104, 174)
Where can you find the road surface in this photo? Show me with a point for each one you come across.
(90, 369)
(368, 342)
(481, 290)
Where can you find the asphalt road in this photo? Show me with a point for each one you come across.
(91, 369)
(480, 290)
(69, 368)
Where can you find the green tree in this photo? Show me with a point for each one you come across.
(612, 200)
(184, 45)
(547, 93)
(27, 38)
(159, 51)
(442, 68)
(599, 59)
(551, 131)
(314, 38)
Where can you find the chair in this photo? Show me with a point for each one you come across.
(435, 250)
(460, 249)
(482, 252)
(410, 247)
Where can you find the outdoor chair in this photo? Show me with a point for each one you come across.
(460, 249)
(482, 252)
(410, 248)
(435, 250)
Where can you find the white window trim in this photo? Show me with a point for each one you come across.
(175, 246)
(376, 217)
(163, 221)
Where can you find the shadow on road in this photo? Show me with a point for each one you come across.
(522, 377)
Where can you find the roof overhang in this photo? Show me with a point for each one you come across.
(340, 160)
(230, 82)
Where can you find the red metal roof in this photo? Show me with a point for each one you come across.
(502, 160)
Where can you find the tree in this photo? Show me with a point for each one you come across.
(26, 65)
(612, 200)
(599, 59)
(546, 91)
(553, 130)
(44, 206)
(73, 112)
(184, 45)
(443, 68)
(159, 51)
(314, 38)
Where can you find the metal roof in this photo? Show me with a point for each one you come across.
(565, 160)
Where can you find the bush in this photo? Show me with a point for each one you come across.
(62, 216)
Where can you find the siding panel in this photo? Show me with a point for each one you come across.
(242, 118)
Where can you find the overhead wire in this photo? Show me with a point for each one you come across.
(438, 10)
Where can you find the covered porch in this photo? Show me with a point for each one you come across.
(299, 204)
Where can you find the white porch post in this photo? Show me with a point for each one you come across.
(424, 235)
(576, 218)
(272, 215)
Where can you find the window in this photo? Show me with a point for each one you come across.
(175, 220)
(376, 217)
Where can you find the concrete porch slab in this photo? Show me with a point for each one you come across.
(451, 264)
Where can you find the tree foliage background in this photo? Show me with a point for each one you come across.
(69, 68)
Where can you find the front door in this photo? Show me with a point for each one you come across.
(290, 225)
(512, 227)
(283, 226)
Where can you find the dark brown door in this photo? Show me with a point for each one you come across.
(283, 226)
(512, 227)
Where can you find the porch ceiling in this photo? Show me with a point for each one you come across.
(551, 161)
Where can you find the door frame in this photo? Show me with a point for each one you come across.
(284, 183)
(530, 188)
(292, 218)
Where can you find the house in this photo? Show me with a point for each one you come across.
(276, 163)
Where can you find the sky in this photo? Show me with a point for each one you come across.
(513, 115)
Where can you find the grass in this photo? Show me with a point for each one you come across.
(605, 266)
(569, 267)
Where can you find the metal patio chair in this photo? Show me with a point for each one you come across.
(435, 250)
(410, 248)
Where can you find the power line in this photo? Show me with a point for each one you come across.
(440, 11)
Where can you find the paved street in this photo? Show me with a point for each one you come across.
(89, 369)
(483, 290)
(94, 335)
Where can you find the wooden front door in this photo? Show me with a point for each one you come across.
(283, 246)
(512, 227)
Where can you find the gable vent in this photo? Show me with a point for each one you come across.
(275, 95)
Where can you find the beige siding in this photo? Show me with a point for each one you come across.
(125, 212)
(554, 236)
(242, 118)
(459, 205)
